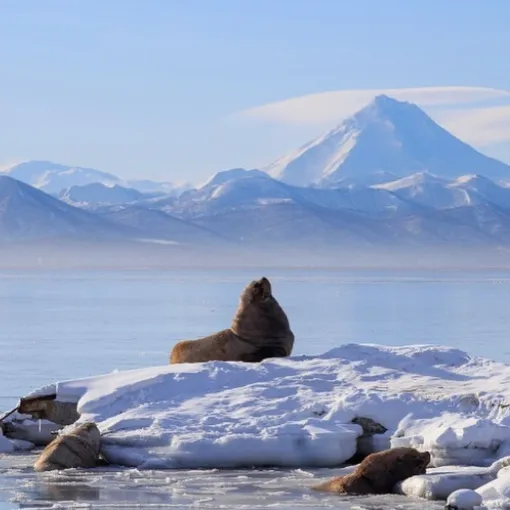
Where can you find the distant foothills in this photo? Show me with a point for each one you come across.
(386, 180)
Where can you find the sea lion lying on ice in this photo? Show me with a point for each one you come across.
(260, 330)
(78, 448)
(379, 472)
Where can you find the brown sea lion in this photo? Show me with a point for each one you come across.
(78, 448)
(260, 330)
(379, 472)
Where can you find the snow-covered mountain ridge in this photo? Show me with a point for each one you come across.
(54, 178)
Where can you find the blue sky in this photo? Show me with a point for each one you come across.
(177, 90)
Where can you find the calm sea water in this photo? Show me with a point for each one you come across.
(65, 325)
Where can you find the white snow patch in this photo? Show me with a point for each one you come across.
(269, 201)
(414, 180)
(464, 499)
(454, 437)
(494, 495)
(464, 179)
(297, 412)
(439, 483)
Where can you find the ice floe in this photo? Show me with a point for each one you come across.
(464, 499)
(439, 483)
(298, 411)
(494, 495)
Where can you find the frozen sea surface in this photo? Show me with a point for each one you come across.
(58, 326)
(208, 489)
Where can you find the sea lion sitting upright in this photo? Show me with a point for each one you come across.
(260, 330)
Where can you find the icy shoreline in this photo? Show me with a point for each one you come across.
(298, 412)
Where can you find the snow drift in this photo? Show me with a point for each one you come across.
(298, 411)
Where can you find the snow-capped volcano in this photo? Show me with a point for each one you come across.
(386, 138)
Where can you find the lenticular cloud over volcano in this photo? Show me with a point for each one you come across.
(328, 107)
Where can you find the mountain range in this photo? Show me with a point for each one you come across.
(54, 178)
(29, 214)
(387, 177)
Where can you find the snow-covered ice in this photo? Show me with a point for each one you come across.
(298, 412)
(494, 495)
(464, 499)
(439, 483)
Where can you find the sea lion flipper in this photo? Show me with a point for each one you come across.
(264, 353)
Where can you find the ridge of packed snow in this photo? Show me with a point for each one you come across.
(298, 411)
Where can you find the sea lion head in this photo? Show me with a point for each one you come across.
(87, 431)
(425, 459)
(259, 319)
(257, 291)
(75, 446)
(385, 469)
(410, 462)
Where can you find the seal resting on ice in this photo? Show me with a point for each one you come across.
(379, 472)
(78, 448)
(260, 330)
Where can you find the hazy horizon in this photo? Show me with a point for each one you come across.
(124, 256)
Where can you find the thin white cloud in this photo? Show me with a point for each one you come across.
(327, 108)
(478, 126)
